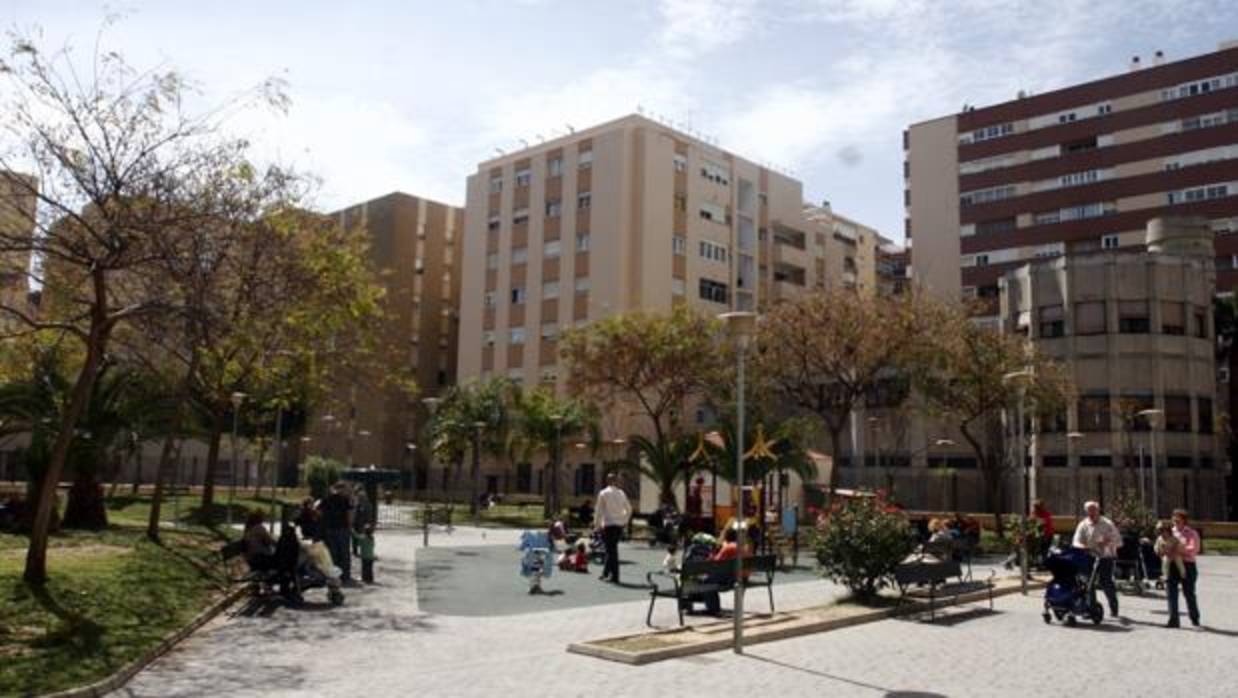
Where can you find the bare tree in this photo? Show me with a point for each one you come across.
(115, 163)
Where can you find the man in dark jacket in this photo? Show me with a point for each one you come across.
(337, 517)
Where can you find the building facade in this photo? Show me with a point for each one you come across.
(1134, 329)
(629, 215)
(1073, 170)
(416, 249)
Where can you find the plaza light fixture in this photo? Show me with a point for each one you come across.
(741, 326)
(237, 399)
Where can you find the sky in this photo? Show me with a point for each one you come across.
(410, 95)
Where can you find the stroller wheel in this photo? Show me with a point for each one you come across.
(1096, 614)
(336, 597)
(1048, 618)
(1059, 615)
(1070, 620)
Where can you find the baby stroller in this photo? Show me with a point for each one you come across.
(664, 524)
(537, 562)
(1137, 565)
(701, 547)
(1070, 593)
(304, 566)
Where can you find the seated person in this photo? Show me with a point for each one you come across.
(309, 520)
(580, 559)
(729, 550)
(259, 545)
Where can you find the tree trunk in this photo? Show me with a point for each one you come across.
(212, 462)
(836, 456)
(156, 501)
(85, 509)
(992, 475)
(137, 468)
(36, 555)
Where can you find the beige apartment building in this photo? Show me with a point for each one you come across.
(416, 249)
(17, 211)
(630, 215)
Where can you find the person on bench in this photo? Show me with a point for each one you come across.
(728, 551)
(259, 545)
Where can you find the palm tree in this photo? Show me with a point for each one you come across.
(541, 422)
(477, 417)
(779, 452)
(665, 461)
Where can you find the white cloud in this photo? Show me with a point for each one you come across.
(694, 27)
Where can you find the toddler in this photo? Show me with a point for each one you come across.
(1169, 548)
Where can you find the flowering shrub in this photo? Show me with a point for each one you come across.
(1131, 517)
(1025, 531)
(860, 541)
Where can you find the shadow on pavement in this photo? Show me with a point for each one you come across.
(831, 677)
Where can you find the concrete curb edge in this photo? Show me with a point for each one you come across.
(122, 676)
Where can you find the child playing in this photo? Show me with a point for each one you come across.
(1169, 548)
(580, 561)
(365, 543)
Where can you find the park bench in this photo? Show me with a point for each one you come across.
(935, 579)
(692, 581)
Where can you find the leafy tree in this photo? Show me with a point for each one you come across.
(115, 166)
(823, 353)
(453, 431)
(320, 474)
(542, 422)
(665, 462)
(776, 451)
(860, 541)
(961, 372)
(655, 363)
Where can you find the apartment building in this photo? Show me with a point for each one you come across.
(1134, 328)
(416, 249)
(630, 215)
(17, 210)
(1073, 170)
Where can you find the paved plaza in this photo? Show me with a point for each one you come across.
(495, 640)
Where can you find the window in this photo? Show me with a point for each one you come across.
(550, 374)
(553, 208)
(551, 249)
(516, 336)
(487, 338)
(680, 162)
(520, 215)
(492, 260)
(517, 295)
(1089, 143)
(550, 289)
(1133, 317)
(582, 242)
(582, 285)
(554, 167)
(1178, 462)
(488, 299)
(1198, 194)
(496, 185)
(493, 223)
(1052, 321)
(1177, 413)
(1200, 319)
(524, 177)
(982, 260)
(681, 202)
(1109, 242)
(584, 199)
(520, 255)
(1066, 118)
(1095, 461)
(1204, 405)
(713, 251)
(713, 291)
(1077, 178)
(1104, 109)
(550, 332)
(679, 245)
(1003, 225)
(984, 196)
(713, 212)
(990, 132)
(1173, 318)
(585, 160)
(1055, 461)
(715, 173)
(677, 287)
(1094, 413)
(1090, 317)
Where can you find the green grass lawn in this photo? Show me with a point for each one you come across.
(111, 596)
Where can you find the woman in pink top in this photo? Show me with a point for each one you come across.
(1189, 548)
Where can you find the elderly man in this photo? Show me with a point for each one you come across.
(1099, 536)
(611, 516)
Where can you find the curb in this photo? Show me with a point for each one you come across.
(120, 678)
(706, 645)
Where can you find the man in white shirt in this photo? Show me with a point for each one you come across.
(1099, 536)
(611, 516)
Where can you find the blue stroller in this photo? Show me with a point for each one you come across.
(1071, 592)
(537, 562)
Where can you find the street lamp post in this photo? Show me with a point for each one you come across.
(1021, 454)
(554, 478)
(742, 326)
(279, 460)
(475, 505)
(1151, 415)
(237, 399)
(431, 404)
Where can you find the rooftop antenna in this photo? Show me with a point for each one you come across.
(640, 110)
(523, 142)
(570, 129)
(540, 139)
(500, 152)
